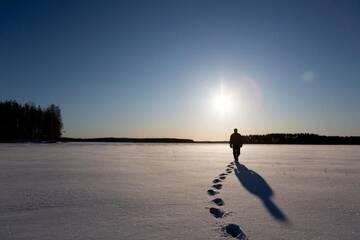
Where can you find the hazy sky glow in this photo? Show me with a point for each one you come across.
(157, 68)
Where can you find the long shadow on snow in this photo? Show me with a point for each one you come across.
(256, 185)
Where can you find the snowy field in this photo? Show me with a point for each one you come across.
(160, 191)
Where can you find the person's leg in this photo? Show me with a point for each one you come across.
(236, 154)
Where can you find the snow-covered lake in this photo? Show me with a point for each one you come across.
(159, 191)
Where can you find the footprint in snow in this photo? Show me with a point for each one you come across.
(230, 166)
(216, 180)
(218, 201)
(212, 192)
(217, 213)
(217, 186)
(235, 231)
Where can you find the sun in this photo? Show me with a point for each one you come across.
(222, 102)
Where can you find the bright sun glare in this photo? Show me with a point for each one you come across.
(223, 102)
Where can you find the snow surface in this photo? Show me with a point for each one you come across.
(159, 191)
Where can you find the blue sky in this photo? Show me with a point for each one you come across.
(155, 68)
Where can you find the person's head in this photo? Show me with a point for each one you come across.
(235, 130)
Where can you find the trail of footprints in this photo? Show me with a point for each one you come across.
(231, 229)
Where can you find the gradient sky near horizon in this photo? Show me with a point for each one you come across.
(157, 68)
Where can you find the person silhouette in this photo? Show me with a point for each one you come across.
(236, 143)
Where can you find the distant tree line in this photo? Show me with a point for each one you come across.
(131, 140)
(295, 138)
(275, 138)
(27, 122)
(299, 138)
